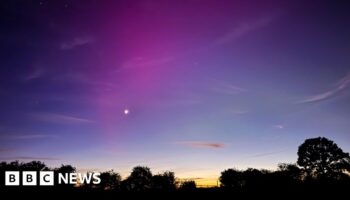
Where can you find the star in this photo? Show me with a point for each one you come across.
(126, 111)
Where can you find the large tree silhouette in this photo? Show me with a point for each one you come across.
(322, 158)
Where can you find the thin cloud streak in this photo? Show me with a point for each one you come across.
(201, 144)
(279, 126)
(242, 30)
(142, 62)
(28, 137)
(227, 88)
(76, 42)
(232, 35)
(59, 118)
(30, 158)
(6, 150)
(340, 86)
(266, 154)
(35, 74)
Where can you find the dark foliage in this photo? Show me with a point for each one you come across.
(322, 167)
(164, 182)
(231, 178)
(188, 186)
(322, 158)
(140, 179)
(110, 180)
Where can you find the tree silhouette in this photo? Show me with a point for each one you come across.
(64, 169)
(34, 166)
(254, 178)
(4, 166)
(322, 158)
(12, 166)
(110, 180)
(165, 181)
(140, 179)
(29, 166)
(319, 158)
(188, 186)
(289, 171)
(231, 178)
(287, 175)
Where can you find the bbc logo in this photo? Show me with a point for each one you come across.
(29, 178)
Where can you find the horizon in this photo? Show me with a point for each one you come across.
(194, 87)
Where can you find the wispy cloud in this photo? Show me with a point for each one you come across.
(76, 42)
(6, 150)
(279, 126)
(227, 88)
(29, 158)
(77, 77)
(201, 144)
(242, 29)
(36, 73)
(59, 118)
(28, 137)
(178, 102)
(230, 36)
(267, 154)
(340, 86)
(190, 179)
(140, 62)
(85, 170)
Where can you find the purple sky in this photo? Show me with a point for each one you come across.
(208, 84)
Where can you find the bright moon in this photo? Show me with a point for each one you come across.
(126, 111)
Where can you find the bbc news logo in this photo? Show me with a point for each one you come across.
(47, 178)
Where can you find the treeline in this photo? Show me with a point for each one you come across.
(140, 179)
(321, 165)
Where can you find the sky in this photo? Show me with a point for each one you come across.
(194, 86)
